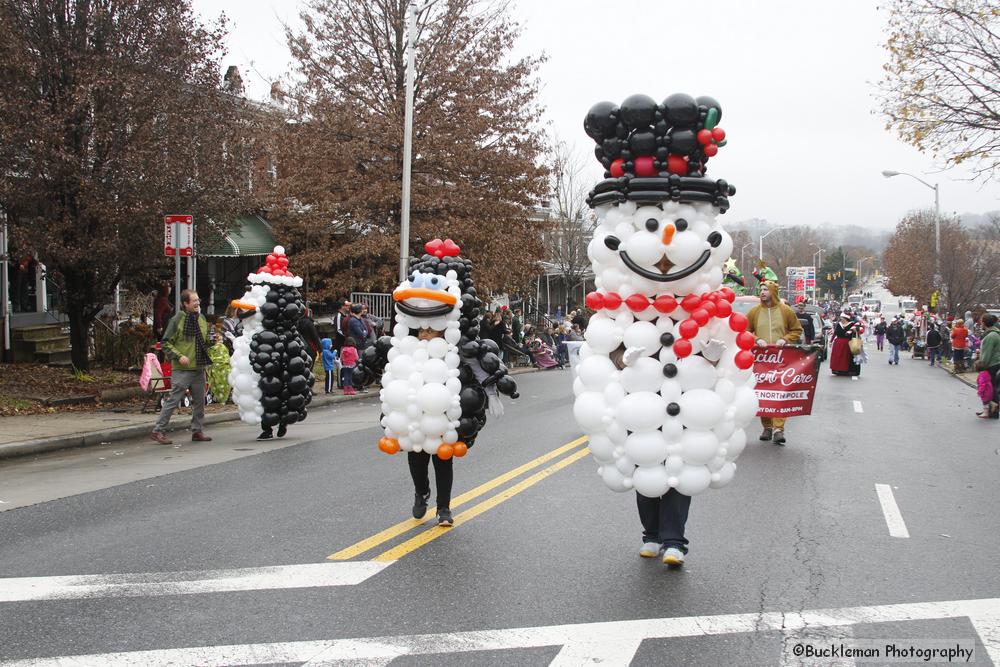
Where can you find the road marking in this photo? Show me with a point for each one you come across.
(432, 534)
(405, 526)
(857, 406)
(22, 589)
(618, 636)
(893, 517)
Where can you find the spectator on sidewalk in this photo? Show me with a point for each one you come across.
(989, 356)
(185, 343)
(959, 344)
(162, 310)
(358, 329)
(329, 363)
(307, 329)
(348, 362)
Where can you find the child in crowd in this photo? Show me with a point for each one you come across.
(985, 391)
(329, 363)
(348, 361)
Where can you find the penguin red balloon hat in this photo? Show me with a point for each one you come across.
(664, 388)
(440, 378)
(271, 368)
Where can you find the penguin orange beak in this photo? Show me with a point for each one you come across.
(668, 234)
(236, 303)
(422, 293)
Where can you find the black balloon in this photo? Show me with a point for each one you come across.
(600, 121)
(710, 103)
(643, 143)
(683, 141)
(638, 111)
(680, 110)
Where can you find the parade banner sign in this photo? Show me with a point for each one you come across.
(785, 380)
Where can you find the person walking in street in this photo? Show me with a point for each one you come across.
(880, 329)
(841, 355)
(933, 342)
(773, 322)
(896, 337)
(989, 358)
(186, 343)
(348, 362)
(806, 320)
(959, 345)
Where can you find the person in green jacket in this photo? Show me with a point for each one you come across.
(185, 343)
(989, 356)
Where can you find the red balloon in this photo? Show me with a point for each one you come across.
(677, 164)
(682, 348)
(264, 269)
(718, 134)
(700, 316)
(711, 150)
(612, 300)
(691, 303)
(728, 294)
(738, 322)
(745, 340)
(617, 168)
(644, 166)
(704, 136)
(709, 307)
(688, 329)
(723, 308)
(713, 297)
(743, 359)
(271, 259)
(282, 261)
(637, 303)
(665, 304)
(595, 301)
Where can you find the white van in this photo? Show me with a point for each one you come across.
(854, 299)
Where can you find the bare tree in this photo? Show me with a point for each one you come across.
(941, 89)
(111, 116)
(573, 221)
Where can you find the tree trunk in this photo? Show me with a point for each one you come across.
(79, 326)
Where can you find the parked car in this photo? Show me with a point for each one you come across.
(743, 304)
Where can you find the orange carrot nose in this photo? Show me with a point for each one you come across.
(668, 233)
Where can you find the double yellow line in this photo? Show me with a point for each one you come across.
(434, 532)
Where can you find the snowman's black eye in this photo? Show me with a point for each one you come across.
(652, 224)
(681, 224)
(714, 239)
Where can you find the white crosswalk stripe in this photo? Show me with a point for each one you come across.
(608, 643)
(23, 589)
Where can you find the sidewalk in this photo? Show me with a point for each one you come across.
(35, 434)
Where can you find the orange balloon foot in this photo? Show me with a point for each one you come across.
(445, 451)
(460, 449)
(389, 445)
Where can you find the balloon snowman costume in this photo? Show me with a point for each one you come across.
(435, 384)
(664, 388)
(271, 368)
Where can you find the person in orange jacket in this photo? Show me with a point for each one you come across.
(959, 345)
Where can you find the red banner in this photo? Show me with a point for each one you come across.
(786, 380)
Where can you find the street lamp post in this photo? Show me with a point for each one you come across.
(742, 265)
(763, 236)
(404, 216)
(937, 220)
(816, 267)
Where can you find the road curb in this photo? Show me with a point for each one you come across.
(177, 423)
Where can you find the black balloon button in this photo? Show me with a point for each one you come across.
(670, 370)
(667, 339)
(673, 409)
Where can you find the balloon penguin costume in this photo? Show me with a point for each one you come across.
(664, 388)
(271, 368)
(434, 386)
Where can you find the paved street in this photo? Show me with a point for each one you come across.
(218, 554)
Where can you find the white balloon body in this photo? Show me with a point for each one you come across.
(242, 377)
(420, 385)
(651, 430)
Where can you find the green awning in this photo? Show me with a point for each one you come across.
(248, 236)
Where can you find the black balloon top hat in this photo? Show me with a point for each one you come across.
(655, 152)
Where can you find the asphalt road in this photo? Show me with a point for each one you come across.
(533, 556)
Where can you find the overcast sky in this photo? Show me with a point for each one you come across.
(795, 80)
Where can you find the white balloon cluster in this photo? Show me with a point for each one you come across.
(420, 385)
(668, 418)
(242, 377)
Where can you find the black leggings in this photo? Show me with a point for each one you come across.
(443, 476)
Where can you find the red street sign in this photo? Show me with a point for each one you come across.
(786, 380)
(183, 226)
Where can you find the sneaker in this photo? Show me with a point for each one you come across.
(158, 437)
(444, 517)
(650, 549)
(420, 504)
(282, 430)
(766, 434)
(265, 435)
(673, 556)
(779, 436)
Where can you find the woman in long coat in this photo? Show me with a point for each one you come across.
(841, 357)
